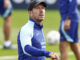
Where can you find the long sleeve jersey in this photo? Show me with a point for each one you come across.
(31, 42)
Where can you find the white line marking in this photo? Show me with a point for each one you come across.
(0, 46)
(14, 45)
(8, 57)
(70, 53)
(16, 57)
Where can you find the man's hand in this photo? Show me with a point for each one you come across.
(67, 24)
(53, 56)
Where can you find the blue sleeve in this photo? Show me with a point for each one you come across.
(63, 6)
(35, 51)
(72, 6)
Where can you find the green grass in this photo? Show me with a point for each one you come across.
(20, 17)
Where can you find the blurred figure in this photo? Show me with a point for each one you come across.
(69, 28)
(5, 11)
(31, 42)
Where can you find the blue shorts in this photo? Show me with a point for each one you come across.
(70, 35)
(3, 11)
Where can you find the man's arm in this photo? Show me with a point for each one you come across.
(35, 51)
(72, 6)
(63, 8)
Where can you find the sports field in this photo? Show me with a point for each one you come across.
(19, 18)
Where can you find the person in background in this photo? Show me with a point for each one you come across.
(69, 28)
(5, 12)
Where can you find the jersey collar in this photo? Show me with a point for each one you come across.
(36, 25)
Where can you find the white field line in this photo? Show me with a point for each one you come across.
(16, 57)
(0, 46)
(14, 45)
(70, 53)
(8, 57)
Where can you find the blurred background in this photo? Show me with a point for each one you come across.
(23, 4)
(20, 17)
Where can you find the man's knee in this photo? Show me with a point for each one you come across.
(75, 46)
(63, 46)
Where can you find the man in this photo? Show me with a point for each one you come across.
(69, 28)
(5, 11)
(31, 42)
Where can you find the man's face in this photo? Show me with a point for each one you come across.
(38, 13)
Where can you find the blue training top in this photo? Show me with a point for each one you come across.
(68, 8)
(31, 42)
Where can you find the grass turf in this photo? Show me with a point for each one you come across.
(19, 18)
